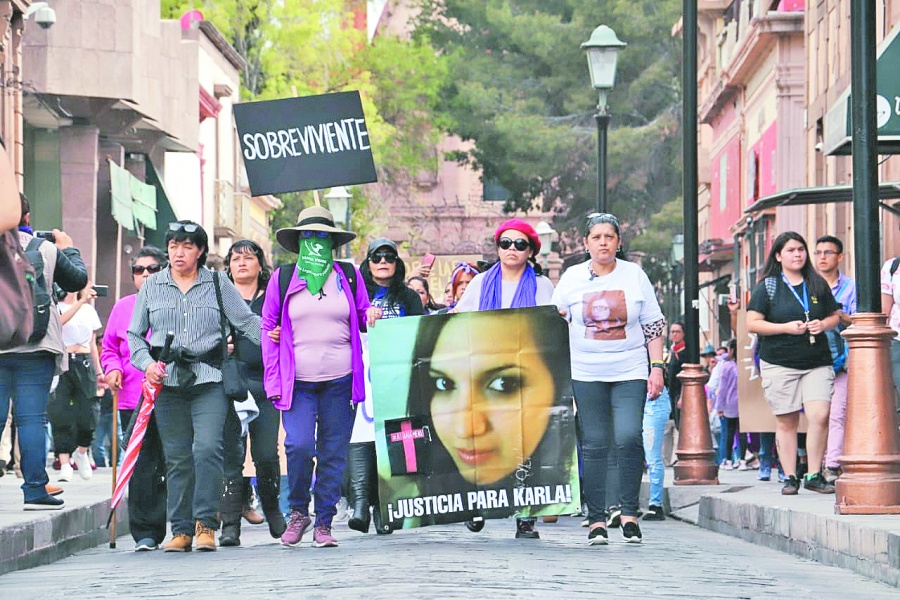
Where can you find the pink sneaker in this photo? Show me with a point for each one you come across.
(297, 525)
(322, 537)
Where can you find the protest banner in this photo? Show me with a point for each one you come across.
(307, 143)
(441, 270)
(473, 417)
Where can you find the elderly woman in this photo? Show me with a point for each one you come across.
(613, 374)
(147, 487)
(191, 408)
(515, 281)
(314, 372)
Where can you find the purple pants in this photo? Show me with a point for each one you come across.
(836, 421)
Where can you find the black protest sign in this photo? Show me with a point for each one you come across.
(307, 143)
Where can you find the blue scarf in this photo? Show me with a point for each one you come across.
(492, 290)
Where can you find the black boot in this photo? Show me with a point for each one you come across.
(232, 502)
(360, 458)
(268, 486)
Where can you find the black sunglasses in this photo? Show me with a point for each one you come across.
(139, 269)
(186, 227)
(390, 257)
(521, 245)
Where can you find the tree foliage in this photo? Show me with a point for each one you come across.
(518, 86)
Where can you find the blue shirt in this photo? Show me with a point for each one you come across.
(844, 290)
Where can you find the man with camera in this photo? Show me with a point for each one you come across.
(26, 372)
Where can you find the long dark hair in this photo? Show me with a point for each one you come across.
(817, 286)
(554, 457)
(397, 285)
(250, 247)
(431, 304)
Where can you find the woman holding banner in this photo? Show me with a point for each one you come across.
(611, 376)
(314, 372)
(383, 273)
(515, 281)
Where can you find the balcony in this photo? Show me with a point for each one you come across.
(229, 210)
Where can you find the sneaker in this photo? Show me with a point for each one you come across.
(753, 464)
(831, 474)
(525, 529)
(631, 532)
(614, 516)
(180, 542)
(817, 483)
(297, 525)
(655, 513)
(791, 486)
(598, 537)
(48, 502)
(83, 462)
(726, 464)
(585, 522)
(252, 516)
(66, 473)
(322, 537)
(206, 538)
(53, 490)
(742, 466)
(146, 545)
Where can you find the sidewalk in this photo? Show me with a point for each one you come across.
(32, 538)
(741, 506)
(805, 525)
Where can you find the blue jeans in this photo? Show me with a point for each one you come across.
(26, 379)
(766, 443)
(656, 413)
(611, 411)
(318, 424)
(191, 422)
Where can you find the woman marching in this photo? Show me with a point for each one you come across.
(246, 266)
(790, 310)
(515, 281)
(611, 374)
(314, 371)
(383, 272)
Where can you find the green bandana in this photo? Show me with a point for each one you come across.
(314, 262)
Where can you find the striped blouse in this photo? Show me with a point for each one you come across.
(193, 317)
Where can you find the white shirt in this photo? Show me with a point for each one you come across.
(81, 327)
(606, 314)
(890, 285)
(472, 296)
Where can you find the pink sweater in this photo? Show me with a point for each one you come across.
(115, 355)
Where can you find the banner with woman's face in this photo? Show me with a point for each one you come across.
(473, 416)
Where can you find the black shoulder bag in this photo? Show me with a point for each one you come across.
(234, 376)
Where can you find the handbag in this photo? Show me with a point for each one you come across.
(234, 373)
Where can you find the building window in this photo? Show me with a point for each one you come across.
(723, 182)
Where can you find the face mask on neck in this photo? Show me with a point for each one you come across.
(314, 262)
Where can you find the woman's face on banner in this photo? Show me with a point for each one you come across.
(491, 401)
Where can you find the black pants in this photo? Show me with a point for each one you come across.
(147, 488)
(263, 434)
(74, 409)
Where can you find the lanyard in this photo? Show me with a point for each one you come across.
(804, 301)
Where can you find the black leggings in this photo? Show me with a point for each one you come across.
(74, 409)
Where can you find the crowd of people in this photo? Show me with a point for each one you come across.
(297, 334)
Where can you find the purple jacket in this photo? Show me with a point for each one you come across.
(278, 359)
(116, 356)
(727, 394)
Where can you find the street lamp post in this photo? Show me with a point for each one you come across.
(602, 54)
(338, 200)
(545, 234)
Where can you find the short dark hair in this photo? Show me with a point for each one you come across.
(679, 323)
(197, 237)
(152, 251)
(830, 239)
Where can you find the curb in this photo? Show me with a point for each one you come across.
(55, 535)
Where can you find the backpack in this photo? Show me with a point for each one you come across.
(285, 274)
(16, 289)
(836, 343)
(771, 285)
(42, 302)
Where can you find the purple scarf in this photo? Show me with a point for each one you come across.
(492, 290)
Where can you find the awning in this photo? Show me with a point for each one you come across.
(164, 214)
(822, 195)
(838, 130)
(133, 201)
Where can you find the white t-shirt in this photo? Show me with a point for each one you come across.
(605, 315)
(471, 297)
(890, 285)
(81, 327)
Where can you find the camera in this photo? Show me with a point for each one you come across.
(102, 290)
(45, 17)
(47, 235)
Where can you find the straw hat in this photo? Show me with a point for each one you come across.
(314, 218)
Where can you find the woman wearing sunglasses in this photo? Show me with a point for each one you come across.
(314, 372)
(384, 274)
(147, 488)
(616, 343)
(515, 281)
